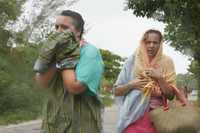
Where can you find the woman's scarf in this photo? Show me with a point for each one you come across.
(163, 64)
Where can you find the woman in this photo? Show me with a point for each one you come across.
(145, 82)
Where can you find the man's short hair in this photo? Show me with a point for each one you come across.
(78, 20)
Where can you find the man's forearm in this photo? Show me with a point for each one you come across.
(70, 83)
(77, 87)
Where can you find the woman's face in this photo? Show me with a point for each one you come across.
(152, 44)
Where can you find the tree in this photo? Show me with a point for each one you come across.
(9, 11)
(182, 21)
(186, 80)
(113, 64)
(15, 69)
(19, 98)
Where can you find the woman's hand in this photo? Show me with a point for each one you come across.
(153, 73)
(138, 83)
(164, 86)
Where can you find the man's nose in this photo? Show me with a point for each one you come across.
(59, 29)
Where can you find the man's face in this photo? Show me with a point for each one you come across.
(65, 23)
(152, 44)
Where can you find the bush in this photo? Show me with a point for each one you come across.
(19, 98)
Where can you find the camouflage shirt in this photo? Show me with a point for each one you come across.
(58, 46)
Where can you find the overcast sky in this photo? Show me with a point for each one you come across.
(112, 28)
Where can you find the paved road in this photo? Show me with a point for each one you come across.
(34, 126)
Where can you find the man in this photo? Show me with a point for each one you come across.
(73, 105)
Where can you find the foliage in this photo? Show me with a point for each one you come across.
(113, 64)
(18, 94)
(19, 98)
(182, 24)
(13, 90)
(186, 80)
(9, 10)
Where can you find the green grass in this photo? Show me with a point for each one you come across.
(18, 117)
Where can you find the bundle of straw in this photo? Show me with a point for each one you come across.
(178, 119)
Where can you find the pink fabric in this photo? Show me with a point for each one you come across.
(155, 101)
(142, 125)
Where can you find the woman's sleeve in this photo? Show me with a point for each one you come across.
(122, 77)
(126, 73)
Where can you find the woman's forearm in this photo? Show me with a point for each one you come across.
(165, 88)
(121, 90)
(134, 84)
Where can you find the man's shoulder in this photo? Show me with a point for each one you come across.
(89, 46)
(90, 50)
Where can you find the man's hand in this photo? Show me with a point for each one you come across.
(67, 51)
(58, 46)
(67, 46)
